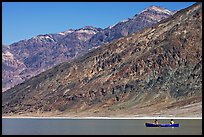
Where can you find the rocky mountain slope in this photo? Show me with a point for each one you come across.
(12, 65)
(157, 71)
(45, 51)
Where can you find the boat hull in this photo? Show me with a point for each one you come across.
(161, 125)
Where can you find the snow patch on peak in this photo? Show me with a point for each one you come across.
(61, 33)
(43, 37)
(66, 32)
(86, 31)
(110, 27)
(47, 37)
(91, 28)
(157, 9)
(123, 21)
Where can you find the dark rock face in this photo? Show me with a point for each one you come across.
(157, 64)
(45, 51)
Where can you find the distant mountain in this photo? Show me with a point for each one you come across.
(154, 72)
(45, 51)
(41, 53)
(144, 19)
(12, 65)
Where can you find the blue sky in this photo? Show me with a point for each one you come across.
(23, 20)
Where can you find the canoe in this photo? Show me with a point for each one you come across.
(161, 125)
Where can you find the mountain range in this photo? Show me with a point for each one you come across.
(27, 58)
(155, 71)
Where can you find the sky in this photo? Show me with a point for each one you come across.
(24, 20)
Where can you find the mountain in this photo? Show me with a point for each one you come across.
(144, 19)
(10, 64)
(45, 51)
(154, 72)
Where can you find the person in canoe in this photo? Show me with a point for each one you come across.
(156, 122)
(172, 121)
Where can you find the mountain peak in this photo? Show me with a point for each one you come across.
(67, 32)
(88, 30)
(158, 9)
(88, 27)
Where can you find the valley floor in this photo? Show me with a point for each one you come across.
(159, 110)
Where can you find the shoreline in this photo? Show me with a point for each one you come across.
(24, 117)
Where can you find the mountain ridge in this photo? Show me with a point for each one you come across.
(44, 51)
(157, 71)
